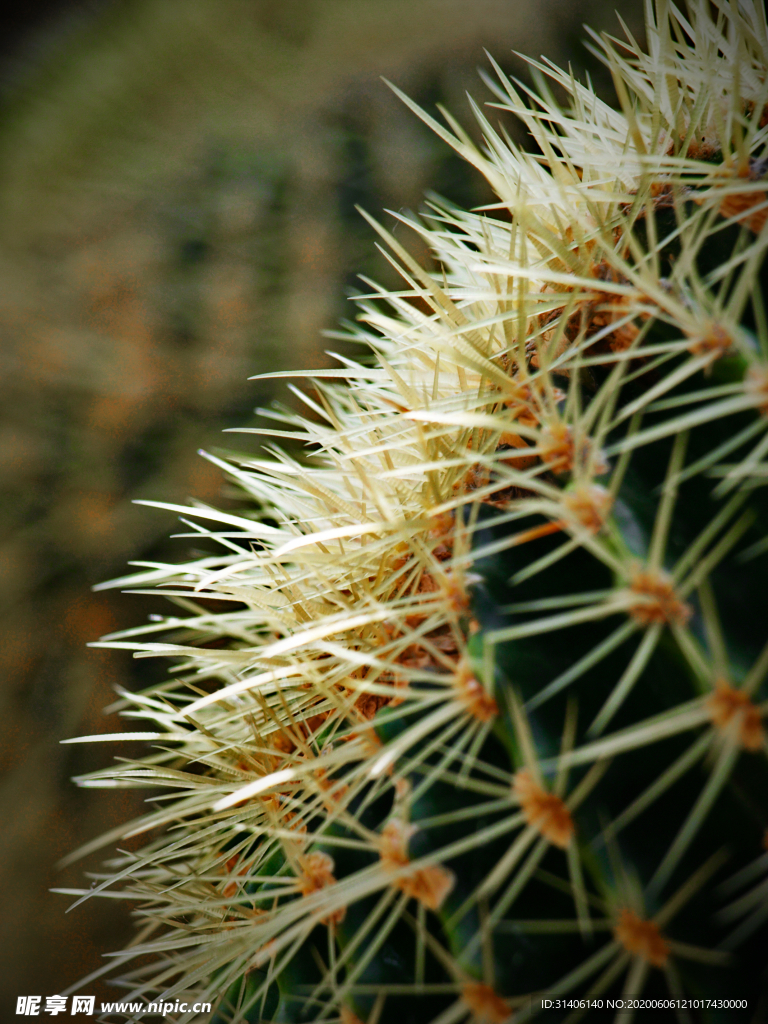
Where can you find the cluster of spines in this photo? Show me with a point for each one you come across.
(349, 588)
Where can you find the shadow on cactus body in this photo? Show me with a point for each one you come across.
(481, 723)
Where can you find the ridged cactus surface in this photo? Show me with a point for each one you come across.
(468, 702)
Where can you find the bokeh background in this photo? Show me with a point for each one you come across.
(178, 181)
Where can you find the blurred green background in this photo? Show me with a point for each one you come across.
(178, 181)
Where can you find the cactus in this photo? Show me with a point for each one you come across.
(468, 709)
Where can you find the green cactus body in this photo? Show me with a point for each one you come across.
(470, 708)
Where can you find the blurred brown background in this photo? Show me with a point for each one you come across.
(177, 189)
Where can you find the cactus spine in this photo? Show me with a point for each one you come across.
(469, 704)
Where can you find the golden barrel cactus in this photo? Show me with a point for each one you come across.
(466, 718)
